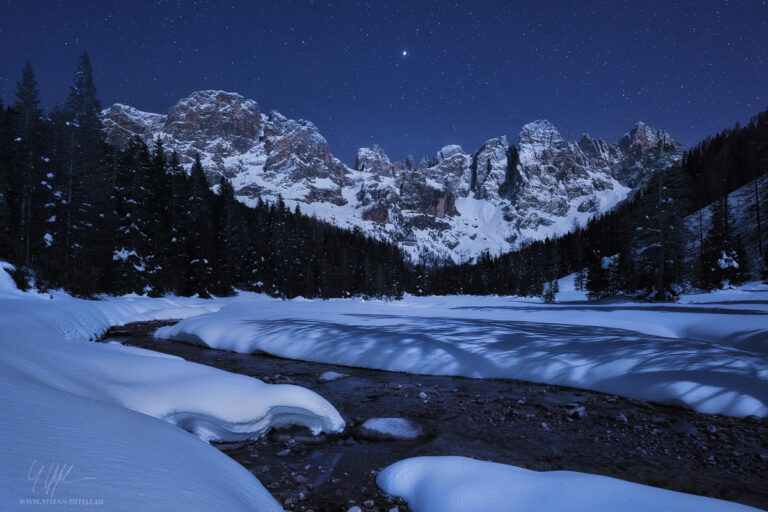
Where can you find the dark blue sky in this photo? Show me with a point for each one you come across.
(474, 70)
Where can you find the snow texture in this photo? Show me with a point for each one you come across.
(391, 428)
(107, 412)
(459, 484)
(712, 357)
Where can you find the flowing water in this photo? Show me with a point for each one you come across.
(535, 426)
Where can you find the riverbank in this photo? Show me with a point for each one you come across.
(540, 427)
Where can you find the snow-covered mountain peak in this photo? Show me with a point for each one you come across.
(645, 150)
(454, 206)
(125, 121)
(374, 160)
(642, 138)
(539, 132)
(448, 151)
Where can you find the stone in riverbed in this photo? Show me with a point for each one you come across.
(331, 376)
(389, 429)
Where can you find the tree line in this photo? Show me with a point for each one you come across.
(79, 214)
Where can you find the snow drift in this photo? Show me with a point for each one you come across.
(68, 403)
(458, 484)
(632, 350)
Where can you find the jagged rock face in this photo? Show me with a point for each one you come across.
(216, 124)
(374, 160)
(599, 154)
(545, 156)
(122, 122)
(561, 177)
(455, 205)
(489, 169)
(212, 115)
(418, 195)
(644, 151)
(451, 169)
(297, 153)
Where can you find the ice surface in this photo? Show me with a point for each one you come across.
(458, 484)
(710, 357)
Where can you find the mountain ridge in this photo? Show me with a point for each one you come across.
(454, 206)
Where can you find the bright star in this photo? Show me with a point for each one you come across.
(405, 53)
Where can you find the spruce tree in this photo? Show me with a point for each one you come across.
(37, 206)
(177, 262)
(719, 259)
(27, 108)
(131, 252)
(201, 236)
(158, 220)
(6, 158)
(87, 186)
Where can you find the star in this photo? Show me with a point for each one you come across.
(405, 53)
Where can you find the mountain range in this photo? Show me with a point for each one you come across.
(453, 206)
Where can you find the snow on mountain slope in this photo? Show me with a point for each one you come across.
(454, 206)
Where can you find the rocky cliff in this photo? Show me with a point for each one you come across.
(455, 205)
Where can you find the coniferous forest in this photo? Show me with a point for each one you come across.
(639, 248)
(79, 214)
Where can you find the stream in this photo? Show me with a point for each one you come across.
(535, 426)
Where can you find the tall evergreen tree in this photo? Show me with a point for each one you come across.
(87, 185)
(6, 159)
(201, 241)
(159, 220)
(37, 205)
(177, 262)
(132, 247)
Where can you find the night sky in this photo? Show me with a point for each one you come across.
(416, 75)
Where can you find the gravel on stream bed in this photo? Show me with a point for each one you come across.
(535, 426)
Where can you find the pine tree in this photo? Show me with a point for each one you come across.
(232, 240)
(87, 188)
(719, 259)
(159, 221)
(177, 263)
(6, 158)
(201, 240)
(27, 108)
(132, 245)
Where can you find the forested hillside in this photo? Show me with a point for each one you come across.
(643, 247)
(80, 214)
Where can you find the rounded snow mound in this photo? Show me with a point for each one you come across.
(460, 484)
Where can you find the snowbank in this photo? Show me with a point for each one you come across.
(458, 484)
(114, 457)
(636, 350)
(71, 403)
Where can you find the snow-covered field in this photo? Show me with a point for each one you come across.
(72, 427)
(709, 352)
